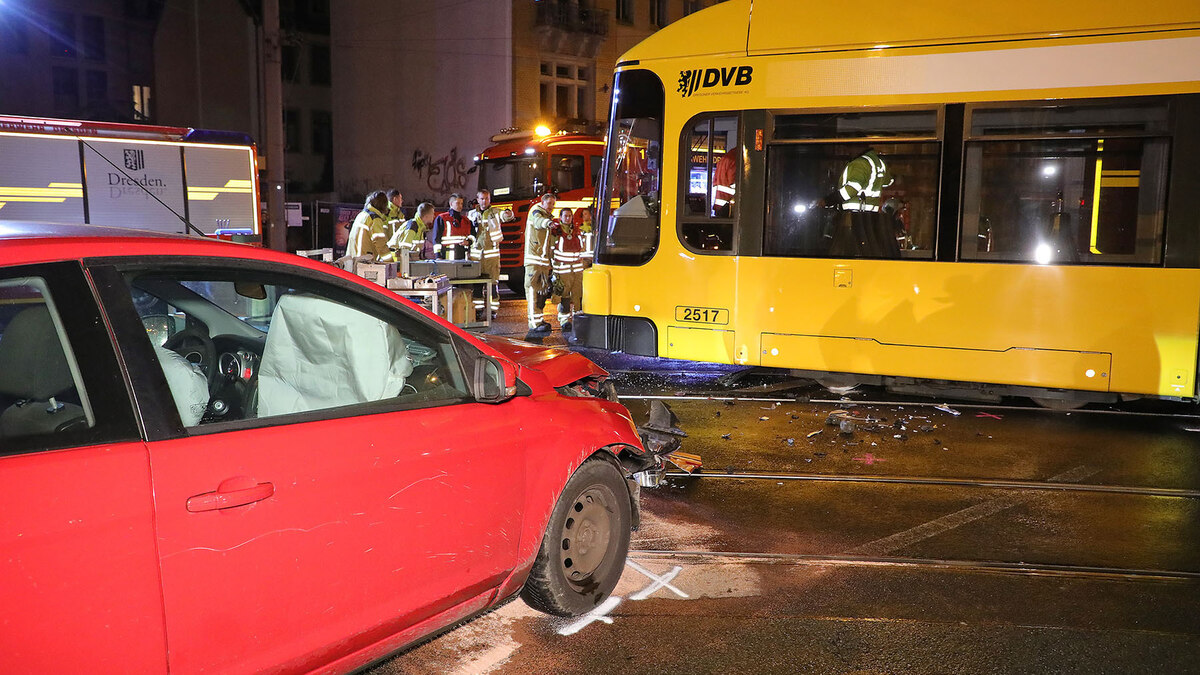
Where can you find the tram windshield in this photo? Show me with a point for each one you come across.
(634, 169)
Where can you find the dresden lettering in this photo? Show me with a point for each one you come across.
(144, 181)
(706, 78)
(143, 186)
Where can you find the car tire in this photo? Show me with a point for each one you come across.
(583, 551)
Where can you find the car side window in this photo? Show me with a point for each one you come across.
(238, 345)
(41, 388)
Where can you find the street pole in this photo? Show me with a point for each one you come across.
(276, 234)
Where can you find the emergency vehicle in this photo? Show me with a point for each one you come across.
(522, 162)
(158, 178)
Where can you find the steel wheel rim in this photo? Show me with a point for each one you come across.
(587, 537)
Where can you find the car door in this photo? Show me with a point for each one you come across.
(351, 489)
(79, 584)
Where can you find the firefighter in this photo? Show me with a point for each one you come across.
(455, 229)
(865, 230)
(395, 214)
(486, 246)
(725, 185)
(368, 234)
(568, 267)
(411, 236)
(583, 220)
(538, 247)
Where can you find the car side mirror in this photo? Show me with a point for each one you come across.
(495, 379)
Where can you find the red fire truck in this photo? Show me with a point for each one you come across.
(521, 163)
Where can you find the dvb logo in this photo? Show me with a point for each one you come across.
(705, 78)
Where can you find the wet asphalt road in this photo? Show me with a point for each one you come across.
(999, 540)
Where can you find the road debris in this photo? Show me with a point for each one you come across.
(989, 415)
(814, 433)
(726, 436)
(946, 408)
(764, 418)
(684, 460)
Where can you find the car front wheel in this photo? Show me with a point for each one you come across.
(583, 552)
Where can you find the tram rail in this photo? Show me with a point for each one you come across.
(849, 560)
(1002, 484)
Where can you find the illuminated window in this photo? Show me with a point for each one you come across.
(709, 193)
(141, 102)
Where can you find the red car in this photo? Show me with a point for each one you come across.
(217, 458)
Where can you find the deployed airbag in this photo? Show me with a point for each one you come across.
(320, 354)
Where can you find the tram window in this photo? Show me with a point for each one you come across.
(629, 217)
(813, 212)
(1092, 194)
(710, 179)
(875, 124)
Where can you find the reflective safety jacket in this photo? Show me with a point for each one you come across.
(568, 250)
(410, 237)
(724, 183)
(455, 229)
(863, 181)
(368, 235)
(586, 235)
(395, 218)
(488, 233)
(537, 236)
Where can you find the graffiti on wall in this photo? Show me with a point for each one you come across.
(442, 175)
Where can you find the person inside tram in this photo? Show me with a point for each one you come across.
(863, 228)
(724, 181)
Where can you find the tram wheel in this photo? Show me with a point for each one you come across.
(838, 384)
(1058, 403)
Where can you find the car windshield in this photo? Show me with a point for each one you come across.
(514, 177)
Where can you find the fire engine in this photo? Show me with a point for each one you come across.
(523, 162)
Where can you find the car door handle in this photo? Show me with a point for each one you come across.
(229, 494)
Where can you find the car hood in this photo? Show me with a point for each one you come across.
(559, 366)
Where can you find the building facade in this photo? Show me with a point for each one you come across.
(209, 63)
(421, 87)
(78, 59)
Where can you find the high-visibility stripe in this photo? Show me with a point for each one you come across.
(855, 206)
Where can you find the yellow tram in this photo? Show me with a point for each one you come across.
(1029, 225)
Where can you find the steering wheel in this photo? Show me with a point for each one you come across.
(198, 349)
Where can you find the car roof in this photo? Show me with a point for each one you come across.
(30, 242)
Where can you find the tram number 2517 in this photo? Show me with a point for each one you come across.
(702, 315)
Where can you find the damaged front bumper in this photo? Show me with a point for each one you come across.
(662, 438)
